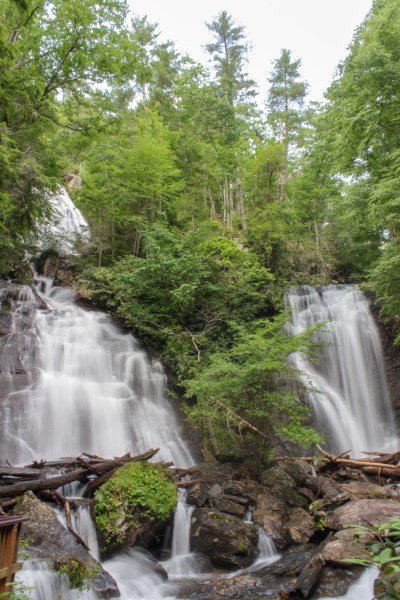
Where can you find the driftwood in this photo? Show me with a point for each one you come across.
(310, 574)
(380, 464)
(77, 469)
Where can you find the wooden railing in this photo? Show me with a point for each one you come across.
(9, 539)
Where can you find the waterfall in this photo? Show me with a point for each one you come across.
(182, 561)
(96, 391)
(66, 226)
(347, 388)
(363, 588)
(81, 384)
(87, 386)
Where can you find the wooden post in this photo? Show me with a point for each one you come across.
(10, 528)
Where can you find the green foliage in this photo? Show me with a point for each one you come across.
(135, 493)
(251, 378)
(78, 572)
(17, 591)
(384, 550)
(384, 277)
(47, 49)
(361, 122)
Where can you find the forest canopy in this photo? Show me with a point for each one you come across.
(203, 208)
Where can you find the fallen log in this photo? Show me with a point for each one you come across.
(38, 485)
(382, 465)
(79, 474)
(309, 575)
(19, 472)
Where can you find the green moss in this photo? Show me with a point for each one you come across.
(77, 572)
(243, 546)
(137, 492)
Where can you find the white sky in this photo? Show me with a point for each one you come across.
(316, 31)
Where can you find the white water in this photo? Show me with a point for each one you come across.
(351, 402)
(97, 392)
(45, 584)
(363, 589)
(66, 226)
(267, 552)
(182, 563)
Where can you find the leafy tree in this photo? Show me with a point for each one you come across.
(363, 117)
(47, 50)
(130, 179)
(246, 385)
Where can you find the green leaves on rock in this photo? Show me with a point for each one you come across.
(137, 494)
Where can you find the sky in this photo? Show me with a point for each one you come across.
(316, 31)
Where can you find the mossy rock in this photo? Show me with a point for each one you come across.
(137, 497)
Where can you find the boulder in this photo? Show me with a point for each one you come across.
(282, 485)
(271, 514)
(244, 489)
(362, 512)
(47, 539)
(344, 545)
(226, 540)
(228, 506)
(197, 495)
(269, 582)
(334, 581)
(358, 490)
(301, 525)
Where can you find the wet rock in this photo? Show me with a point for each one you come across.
(244, 489)
(5, 323)
(362, 512)
(50, 266)
(268, 582)
(344, 545)
(301, 526)
(46, 538)
(359, 490)
(334, 582)
(298, 470)
(282, 485)
(323, 487)
(227, 506)
(271, 514)
(197, 495)
(226, 540)
(215, 491)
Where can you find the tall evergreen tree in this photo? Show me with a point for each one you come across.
(286, 99)
(229, 54)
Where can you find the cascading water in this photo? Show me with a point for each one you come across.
(182, 561)
(349, 394)
(91, 389)
(96, 392)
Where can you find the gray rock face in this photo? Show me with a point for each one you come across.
(301, 526)
(362, 512)
(344, 545)
(226, 540)
(47, 539)
(283, 484)
(272, 515)
(197, 495)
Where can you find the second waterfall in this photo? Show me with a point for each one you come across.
(347, 388)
